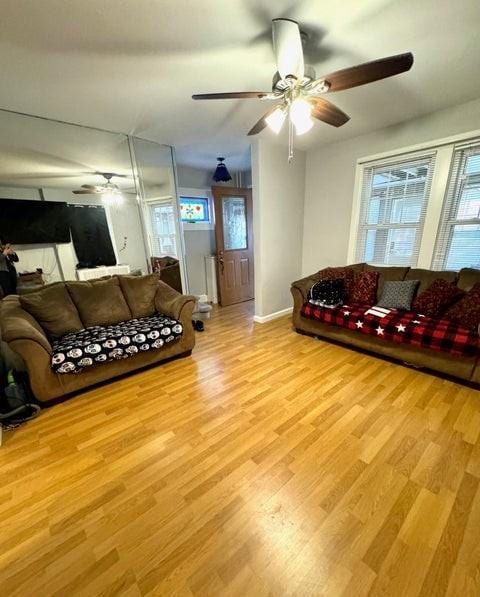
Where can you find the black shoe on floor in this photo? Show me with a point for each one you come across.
(198, 325)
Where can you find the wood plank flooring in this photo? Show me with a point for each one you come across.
(268, 463)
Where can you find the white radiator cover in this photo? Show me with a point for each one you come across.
(98, 272)
(211, 277)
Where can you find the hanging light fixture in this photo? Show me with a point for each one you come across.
(301, 115)
(221, 173)
(111, 194)
(276, 119)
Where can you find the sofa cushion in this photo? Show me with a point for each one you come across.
(437, 298)
(100, 344)
(365, 288)
(99, 302)
(139, 292)
(53, 308)
(398, 294)
(386, 274)
(402, 327)
(466, 312)
(468, 277)
(427, 277)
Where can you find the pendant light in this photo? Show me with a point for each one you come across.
(221, 173)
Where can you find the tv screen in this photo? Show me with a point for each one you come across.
(25, 222)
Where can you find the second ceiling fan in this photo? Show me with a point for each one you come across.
(297, 90)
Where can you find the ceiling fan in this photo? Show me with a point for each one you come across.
(111, 193)
(297, 89)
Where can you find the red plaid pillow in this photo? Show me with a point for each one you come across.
(436, 298)
(339, 273)
(365, 288)
(467, 311)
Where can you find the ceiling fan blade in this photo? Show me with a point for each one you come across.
(84, 192)
(368, 72)
(327, 112)
(89, 186)
(287, 45)
(261, 124)
(232, 95)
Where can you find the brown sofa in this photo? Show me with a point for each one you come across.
(465, 368)
(97, 302)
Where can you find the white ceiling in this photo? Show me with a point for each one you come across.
(132, 66)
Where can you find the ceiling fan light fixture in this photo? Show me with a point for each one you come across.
(276, 119)
(301, 115)
(111, 195)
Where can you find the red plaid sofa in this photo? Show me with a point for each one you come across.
(434, 344)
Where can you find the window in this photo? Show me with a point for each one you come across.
(162, 219)
(458, 241)
(393, 204)
(194, 209)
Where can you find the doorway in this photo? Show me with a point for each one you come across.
(234, 241)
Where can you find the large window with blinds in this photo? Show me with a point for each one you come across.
(458, 240)
(393, 204)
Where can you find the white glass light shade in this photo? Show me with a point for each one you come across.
(275, 120)
(301, 115)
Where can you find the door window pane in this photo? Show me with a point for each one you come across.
(234, 223)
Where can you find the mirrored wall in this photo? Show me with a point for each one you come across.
(118, 191)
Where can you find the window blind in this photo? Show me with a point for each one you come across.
(162, 220)
(393, 204)
(458, 239)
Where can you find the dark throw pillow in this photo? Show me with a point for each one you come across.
(365, 288)
(436, 298)
(327, 293)
(53, 308)
(398, 295)
(467, 311)
(339, 273)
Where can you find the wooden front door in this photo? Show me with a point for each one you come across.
(234, 237)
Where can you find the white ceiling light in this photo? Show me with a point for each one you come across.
(301, 115)
(111, 194)
(276, 119)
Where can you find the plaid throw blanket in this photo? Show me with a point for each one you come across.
(404, 327)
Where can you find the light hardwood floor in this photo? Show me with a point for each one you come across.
(268, 463)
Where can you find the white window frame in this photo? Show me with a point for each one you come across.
(443, 149)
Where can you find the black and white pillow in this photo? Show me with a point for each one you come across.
(327, 293)
(398, 294)
(98, 344)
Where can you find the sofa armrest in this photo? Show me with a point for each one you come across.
(172, 303)
(17, 324)
(305, 284)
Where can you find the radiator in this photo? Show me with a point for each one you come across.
(98, 272)
(211, 277)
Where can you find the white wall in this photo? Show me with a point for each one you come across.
(278, 209)
(124, 222)
(330, 177)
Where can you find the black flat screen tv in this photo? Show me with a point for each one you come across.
(25, 222)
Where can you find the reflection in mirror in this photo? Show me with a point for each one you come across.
(63, 164)
(154, 165)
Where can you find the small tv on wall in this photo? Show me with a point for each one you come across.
(25, 222)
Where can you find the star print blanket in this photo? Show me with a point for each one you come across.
(404, 327)
(98, 344)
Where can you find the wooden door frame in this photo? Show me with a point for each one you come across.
(218, 191)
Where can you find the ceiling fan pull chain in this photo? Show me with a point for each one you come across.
(290, 140)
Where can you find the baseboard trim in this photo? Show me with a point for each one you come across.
(270, 316)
